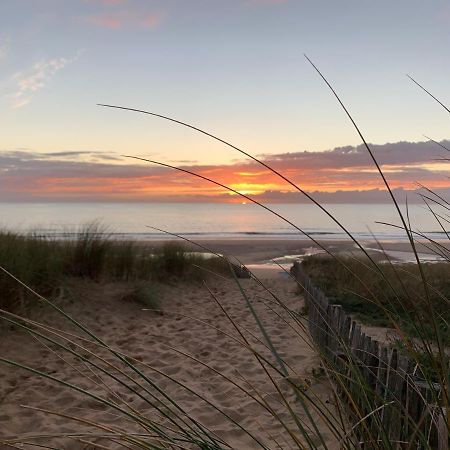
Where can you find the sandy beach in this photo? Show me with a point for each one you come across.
(191, 341)
(257, 250)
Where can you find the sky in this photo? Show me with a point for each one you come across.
(235, 68)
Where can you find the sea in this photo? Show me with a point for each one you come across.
(144, 221)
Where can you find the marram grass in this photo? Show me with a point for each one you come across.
(353, 417)
(44, 263)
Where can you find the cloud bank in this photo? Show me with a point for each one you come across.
(341, 175)
(118, 14)
(122, 19)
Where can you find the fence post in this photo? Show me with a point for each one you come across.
(383, 370)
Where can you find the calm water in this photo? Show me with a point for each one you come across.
(213, 220)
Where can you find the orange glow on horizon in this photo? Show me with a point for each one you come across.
(136, 184)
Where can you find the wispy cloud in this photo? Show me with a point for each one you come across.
(125, 19)
(112, 21)
(28, 82)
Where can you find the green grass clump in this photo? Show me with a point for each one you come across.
(375, 297)
(123, 261)
(37, 262)
(42, 263)
(86, 255)
(172, 261)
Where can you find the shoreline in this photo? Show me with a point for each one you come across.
(262, 250)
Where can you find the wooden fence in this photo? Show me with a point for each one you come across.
(405, 409)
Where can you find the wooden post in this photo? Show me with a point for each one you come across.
(385, 372)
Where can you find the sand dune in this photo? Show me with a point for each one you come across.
(192, 323)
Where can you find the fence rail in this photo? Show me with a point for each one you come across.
(385, 383)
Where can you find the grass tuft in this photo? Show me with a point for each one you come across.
(368, 294)
(44, 263)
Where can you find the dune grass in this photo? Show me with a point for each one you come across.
(35, 261)
(414, 300)
(44, 263)
(404, 302)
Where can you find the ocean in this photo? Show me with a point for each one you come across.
(213, 220)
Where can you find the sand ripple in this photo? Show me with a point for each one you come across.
(192, 342)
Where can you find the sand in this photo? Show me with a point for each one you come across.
(192, 323)
(192, 342)
(259, 250)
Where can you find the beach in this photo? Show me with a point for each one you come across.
(189, 348)
(191, 341)
(263, 250)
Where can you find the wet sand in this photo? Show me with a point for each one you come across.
(257, 250)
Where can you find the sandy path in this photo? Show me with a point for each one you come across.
(190, 323)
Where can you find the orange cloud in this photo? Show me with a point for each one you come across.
(151, 21)
(122, 19)
(343, 174)
(106, 21)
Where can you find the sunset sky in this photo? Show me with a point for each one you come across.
(234, 68)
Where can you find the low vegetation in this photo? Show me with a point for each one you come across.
(388, 295)
(42, 263)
